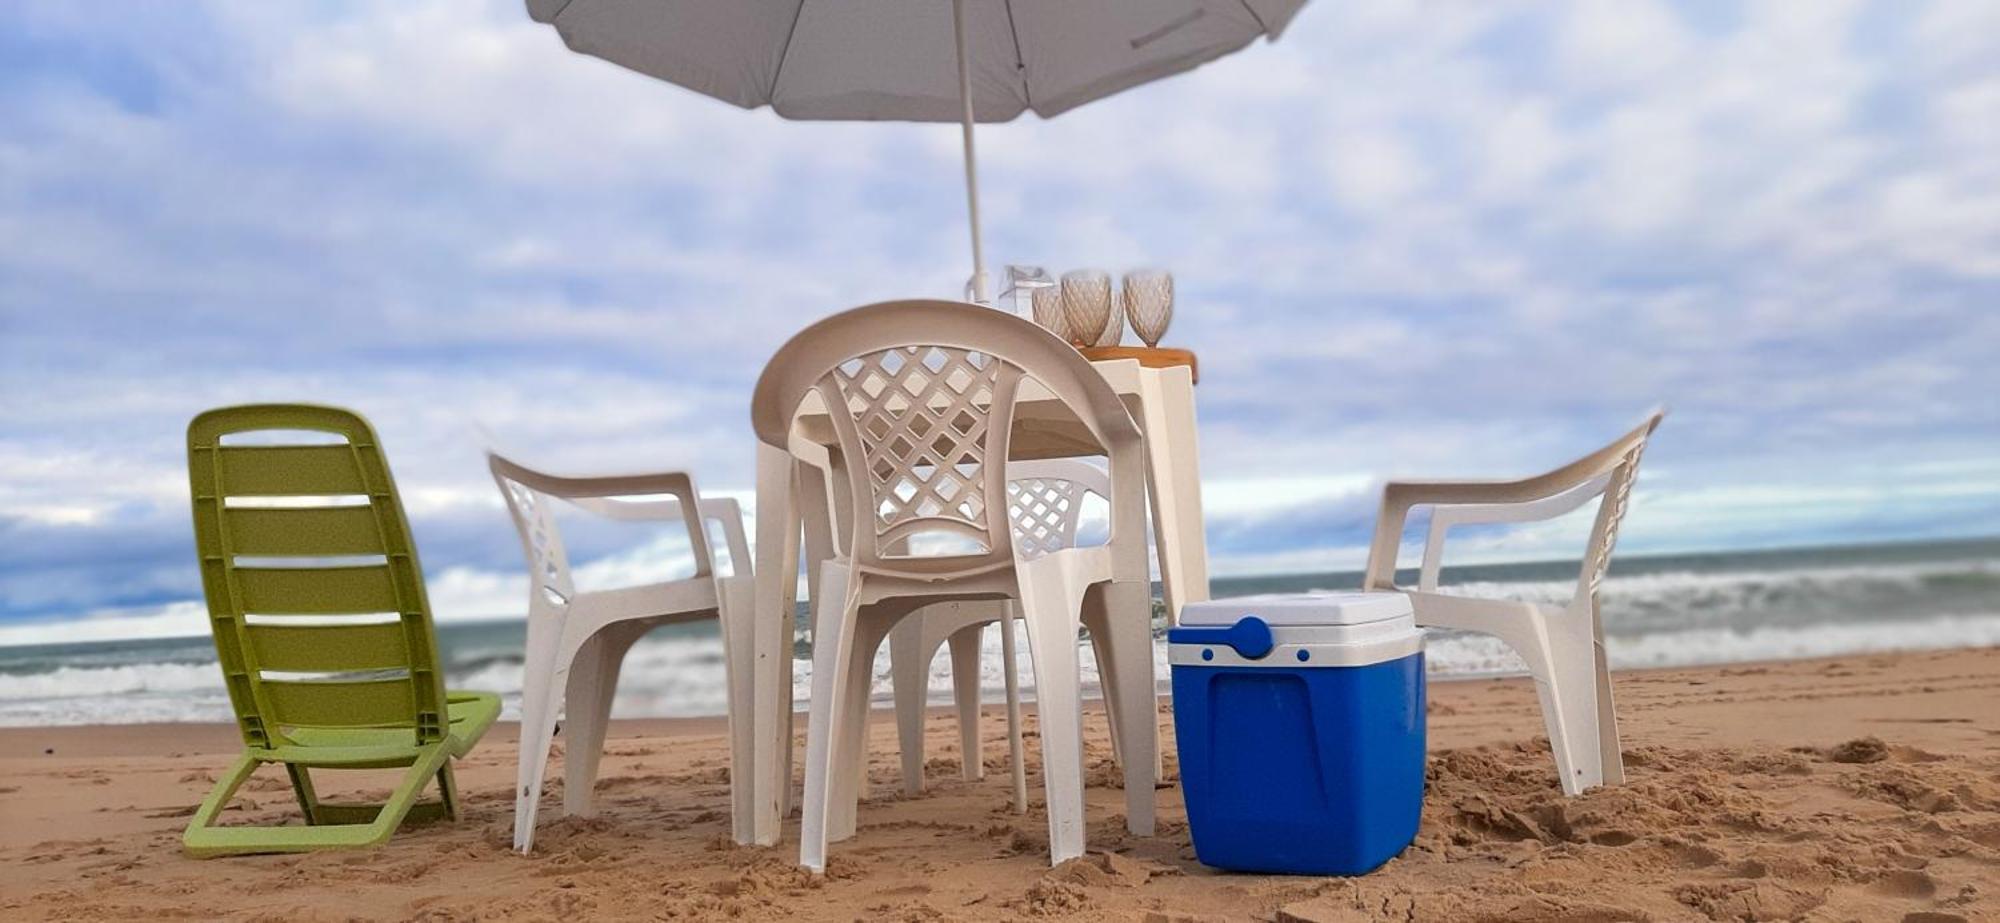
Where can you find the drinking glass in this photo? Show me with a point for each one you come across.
(1149, 303)
(1048, 307)
(1086, 297)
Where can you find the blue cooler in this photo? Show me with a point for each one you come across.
(1300, 721)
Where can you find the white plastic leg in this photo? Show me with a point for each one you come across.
(1017, 763)
(1051, 601)
(909, 679)
(788, 793)
(580, 731)
(737, 610)
(1107, 672)
(816, 513)
(1611, 751)
(1125, 638)
(1573, 656)
(850, 782)
(540, 679)
(833, 620)
(1173, 481)
(1559, 654)
(778, 535)
(589, 710)
(965, 644)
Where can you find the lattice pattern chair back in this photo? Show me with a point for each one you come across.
(926, 420)
(928, 392)
(1045, 501)
(1611, 510)
(534, 519)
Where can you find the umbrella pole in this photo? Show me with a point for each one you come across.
(978, 282)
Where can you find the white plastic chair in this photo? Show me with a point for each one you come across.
(922, 398)
(1045, 501)
(577, 641)
(1563, 646)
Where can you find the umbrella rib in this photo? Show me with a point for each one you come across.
(771, 95)
(1020, 63)
(1261, 26)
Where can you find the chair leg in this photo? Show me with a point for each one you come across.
(737, 613)
(833, 621)
(909, 681)
(965, 647)
(448, 790)
(850, 781)
(1124, 638)
(1107, 672)
(1051, 601)
(351, 826)
(1566, 681)
(770, 642)
(303, 788)
(1611, 749)
(593, 682)
(541, 678)
(1017, 763)
(789, 794)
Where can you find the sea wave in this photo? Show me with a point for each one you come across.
(1663, 618)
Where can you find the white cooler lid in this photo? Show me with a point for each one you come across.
(1301, 609)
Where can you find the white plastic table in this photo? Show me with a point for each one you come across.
(1161, 400)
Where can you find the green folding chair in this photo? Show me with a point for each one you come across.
(317, 605)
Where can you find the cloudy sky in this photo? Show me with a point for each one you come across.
(1434, 238)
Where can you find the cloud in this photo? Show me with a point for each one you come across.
(1461, 240)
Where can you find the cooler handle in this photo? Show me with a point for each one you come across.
(1250, 637)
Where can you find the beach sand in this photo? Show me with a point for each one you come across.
(1861, 788)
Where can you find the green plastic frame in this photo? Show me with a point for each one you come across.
(324, 635)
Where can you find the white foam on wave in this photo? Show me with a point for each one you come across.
(1680, 587)
(1665, 619)
(1454, 655)
(131, 679)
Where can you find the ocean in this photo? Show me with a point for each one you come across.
(1662, 611)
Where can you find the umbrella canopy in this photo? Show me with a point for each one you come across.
(912, 60)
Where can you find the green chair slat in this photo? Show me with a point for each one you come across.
(368, 588)
(290, 471)
(326, 530)
(328, 648)
(406, 720)
(327, 704)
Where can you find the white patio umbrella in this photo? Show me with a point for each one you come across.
(913, 60)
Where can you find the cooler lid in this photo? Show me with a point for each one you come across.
(1300, 609)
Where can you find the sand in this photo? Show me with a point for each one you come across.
(1863, 788)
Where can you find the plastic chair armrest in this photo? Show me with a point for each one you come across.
(725, 510)
(1446, 515)
(601, 495)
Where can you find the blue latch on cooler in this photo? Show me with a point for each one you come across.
(1250, 637)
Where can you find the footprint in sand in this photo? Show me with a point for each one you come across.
(1905, 883)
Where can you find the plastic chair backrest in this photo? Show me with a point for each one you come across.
(315, 595)
(1623, 457)
(921, 397)
(1045, 501)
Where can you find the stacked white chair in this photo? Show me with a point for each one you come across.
(921, 395)
(1563, 646)
(1045, 499)
(578, 640)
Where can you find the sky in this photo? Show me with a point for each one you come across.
(1437, 239)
